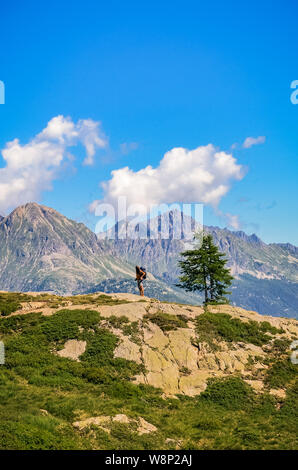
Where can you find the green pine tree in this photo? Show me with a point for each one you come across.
(203, 269)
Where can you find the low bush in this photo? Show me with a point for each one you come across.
(166, 321)
(222, 327)
(281, 373)
(232, 393)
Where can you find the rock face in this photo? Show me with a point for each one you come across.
(171, 361)
(73, 349)
(175, 363)
(105, 422)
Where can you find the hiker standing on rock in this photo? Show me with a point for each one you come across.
(140, 276)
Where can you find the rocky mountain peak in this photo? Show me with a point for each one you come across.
(33, 213)
(42, 249)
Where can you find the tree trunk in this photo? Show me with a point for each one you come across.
(206, 290)
(211, 289)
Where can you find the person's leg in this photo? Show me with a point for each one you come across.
(141, 288)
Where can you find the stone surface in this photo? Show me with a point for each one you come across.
(257, 385)
(105, 422)
(128, 350)
(144, 427)
(73, 349)
(278, 393)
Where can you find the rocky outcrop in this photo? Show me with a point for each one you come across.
(173, 360)
(139, 425)
(73, 349)
(164, 340)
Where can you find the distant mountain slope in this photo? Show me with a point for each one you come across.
(156, 289)
(250, 255)
(266, 275)
(246, 254)
(42, 250)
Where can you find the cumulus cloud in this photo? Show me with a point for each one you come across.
(250, 141)
(231, 220)
(202, 175)
(31, 168)
(91, 137)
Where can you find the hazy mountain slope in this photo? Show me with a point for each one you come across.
(246, 254)
(156, 289)
(266, 275)
(42, 250)
(250, 255)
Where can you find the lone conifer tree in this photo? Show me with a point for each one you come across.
(203, 269)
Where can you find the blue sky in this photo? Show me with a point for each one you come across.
(159, 75)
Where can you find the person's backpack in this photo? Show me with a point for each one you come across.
(144, 270)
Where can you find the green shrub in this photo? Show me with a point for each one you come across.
(19, 323)
(6, 308)
(100, 348)
(38, 432)
(65, 324)
(281, 346)
(11, 302)
(97, 375)
(281, 373)
(289, 410)
(232, 393)
(223, 327)
(118, 322)
(166, 321)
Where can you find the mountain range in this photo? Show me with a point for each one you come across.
(41, 250)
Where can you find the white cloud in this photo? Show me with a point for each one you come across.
(91, 137)
(202, 175)
(250, 141)
(231, 220)
(31, 168)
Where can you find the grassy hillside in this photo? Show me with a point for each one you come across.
(43, 394)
